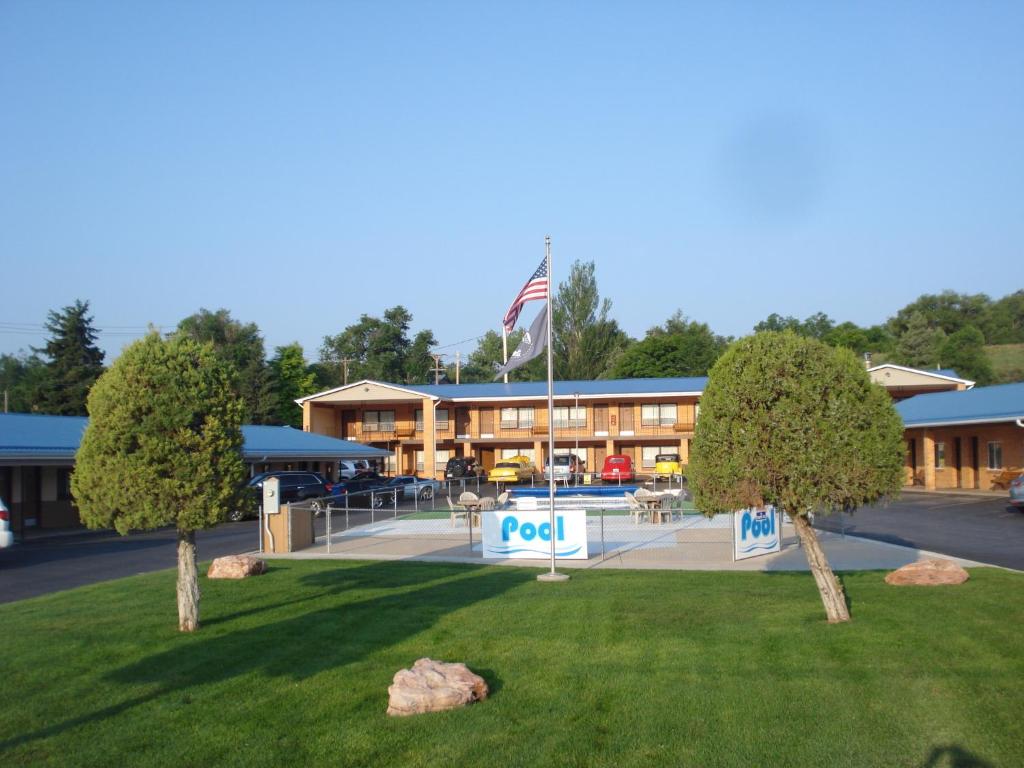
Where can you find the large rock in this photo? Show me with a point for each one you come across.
(928, 573)
(431, 686)
(236, 567)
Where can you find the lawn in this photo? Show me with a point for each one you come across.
(613, 668)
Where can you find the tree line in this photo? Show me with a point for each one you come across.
(945, 330)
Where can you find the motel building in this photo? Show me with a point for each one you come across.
(957, 435)
(37, 457)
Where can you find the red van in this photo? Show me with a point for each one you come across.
(617, 467)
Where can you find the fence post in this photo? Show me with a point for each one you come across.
(328, 521)
(394, 503)
(602, 534)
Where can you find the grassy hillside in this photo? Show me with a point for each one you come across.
(1007, 362)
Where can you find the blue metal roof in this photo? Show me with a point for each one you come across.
(26, 436)
(35, 435)
(285, 441)
(596, 387)
(1003, 402)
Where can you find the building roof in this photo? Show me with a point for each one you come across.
(1003, 402)
(527, 390)
(37, 437)
(946, 374)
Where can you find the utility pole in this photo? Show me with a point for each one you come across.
(344, 368)
(458, 365)
(437, 368)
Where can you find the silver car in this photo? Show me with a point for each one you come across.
(1017, 492)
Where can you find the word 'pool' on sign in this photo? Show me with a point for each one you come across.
(527, 534)
(755, 532)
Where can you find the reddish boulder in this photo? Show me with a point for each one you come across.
(432, 686)
(928, 573)
(236, 567)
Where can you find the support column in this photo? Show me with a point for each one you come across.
(538, 454)
(928, 457)
(684, 450)
(609, 447)
(429, 457)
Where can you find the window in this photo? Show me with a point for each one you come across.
(516, 418)
(440, 459)
(650, 453)
(658, 414)
(440, 418)
(378, 421)
(940, 455)
(995, 455)
(570, 416)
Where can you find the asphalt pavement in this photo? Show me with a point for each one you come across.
(985, 529)
(982, 528)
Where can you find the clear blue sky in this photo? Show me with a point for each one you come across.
(301, 163)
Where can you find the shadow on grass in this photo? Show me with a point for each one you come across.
(341, 632)
(954, 756)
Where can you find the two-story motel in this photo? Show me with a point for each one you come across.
(958, 435)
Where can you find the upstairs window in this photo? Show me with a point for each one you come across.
(516, 418)
(378, 421)
(440, 419)
(658, 414)
(570, 416)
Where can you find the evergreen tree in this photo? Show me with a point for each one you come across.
(920, 344)
(290, 379)
(163, 446)
(586, 341)
(240, 345)
(74, 361)
(792, 422)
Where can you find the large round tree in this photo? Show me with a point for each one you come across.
(789, 421)
(163, 447)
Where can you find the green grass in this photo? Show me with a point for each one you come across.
(1007, 361)
(613, 668)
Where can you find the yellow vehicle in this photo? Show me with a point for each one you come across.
(512, 470)
(667, 466)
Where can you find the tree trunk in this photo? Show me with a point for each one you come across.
(828, 585)
(188, 582)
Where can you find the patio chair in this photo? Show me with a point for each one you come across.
(502, 500)
(636, 509)
(456, 511)
(468, 497)
(486, 502)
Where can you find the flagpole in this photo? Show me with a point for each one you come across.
(504, 348)
(552, 575)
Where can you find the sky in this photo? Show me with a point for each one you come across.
(303, 163)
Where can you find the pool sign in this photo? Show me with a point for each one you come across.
(526, 534)
(755, 532)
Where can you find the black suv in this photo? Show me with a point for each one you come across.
(295, 486)
(459, 467)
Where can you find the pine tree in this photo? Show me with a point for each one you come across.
(74, 362)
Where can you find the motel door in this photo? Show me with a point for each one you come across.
(958, 462)
(601, 419)
(626, 418)
(462, 422)
(486, 422)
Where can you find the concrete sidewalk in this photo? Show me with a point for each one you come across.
(845, 553)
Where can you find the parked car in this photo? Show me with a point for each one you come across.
(362, 491)
(512, 470)
(410, 486)
(667, 466)
(6, 536)
(459, 467)
(617, 467)
(294, 486)
(566, 467)
(1017, 492)
(348, 469)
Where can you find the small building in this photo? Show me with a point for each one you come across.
(37, 457)
(903, 382)
(963, 438)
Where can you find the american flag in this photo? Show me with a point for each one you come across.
(536, 288)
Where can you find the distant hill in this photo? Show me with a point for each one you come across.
(1007, 361)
